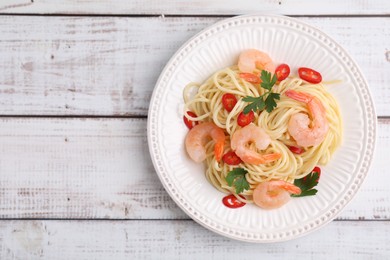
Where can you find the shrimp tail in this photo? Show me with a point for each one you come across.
(291, 188)
(218, 150)
(271, 156)
(264, 158)
(299, 96)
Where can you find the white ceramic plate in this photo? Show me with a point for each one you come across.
(289, 41)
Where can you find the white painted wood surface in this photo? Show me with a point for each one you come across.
(196, 7)
(101, 168)
(66, 152)
(109, 65)
(182, 240)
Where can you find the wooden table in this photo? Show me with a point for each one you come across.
(76, 178)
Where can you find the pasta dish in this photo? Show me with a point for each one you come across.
(261, 132)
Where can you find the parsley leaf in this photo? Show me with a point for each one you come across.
(270, 102)
(307, 193)
(236, 178)
(306, 184)
(266, 81)
(259, 103)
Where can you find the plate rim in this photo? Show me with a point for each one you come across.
(336, 209)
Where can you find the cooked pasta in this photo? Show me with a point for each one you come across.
(207, 105)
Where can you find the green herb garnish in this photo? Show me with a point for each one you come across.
(306, 184)
(267, 100)
(236, 178)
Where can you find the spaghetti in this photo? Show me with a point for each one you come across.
(207, 105)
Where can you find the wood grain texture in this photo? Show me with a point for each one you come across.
(204, 7)
(79, 168)
(101, 168)
(182, 240)
(109, 65)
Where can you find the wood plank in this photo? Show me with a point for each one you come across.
(204, 7)
(109, 65)
(101, 168)
(85, 66)
(182, 240)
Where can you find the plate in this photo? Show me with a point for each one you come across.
(286, 40)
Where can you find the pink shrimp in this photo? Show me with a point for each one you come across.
(298, 125)
(251, 59)
(199, 135)
(274, 194)
(246, 135)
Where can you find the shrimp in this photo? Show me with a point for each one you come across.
(251, 59)
(274, 194)
(298, 125)
(197, 138)
(246, 135)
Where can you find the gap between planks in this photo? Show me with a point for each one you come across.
(192, 15)
(156, 219)
(178, 239)
(117, 179)
(197, 7)
(59, 65)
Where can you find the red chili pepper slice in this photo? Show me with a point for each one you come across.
(229, 101)
(232, 202)
(245, 119)
(189, 123)
(296, 150)
(282, 71)
(317, 169)
(231, 158)
(310, 75)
